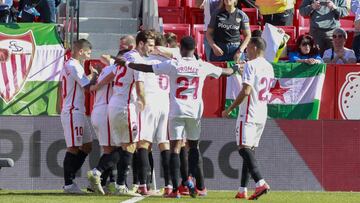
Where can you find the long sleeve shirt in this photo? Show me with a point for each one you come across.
(324, 18)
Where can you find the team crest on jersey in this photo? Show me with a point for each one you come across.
(238, 20)
(16, 56)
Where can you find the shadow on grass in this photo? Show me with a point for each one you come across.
(4, 193)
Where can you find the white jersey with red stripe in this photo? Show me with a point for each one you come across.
(103, 94)
(157, 87)
(123, 91)
(73, 80)
(259, 74)
(187, 77)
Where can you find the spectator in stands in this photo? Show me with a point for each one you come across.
(306, 51)
(127, 42)
(44, 9)
(256, 33)
(171, 40)
(324, 19)
(223, 33)
(210, 7)
(277, 12)
(355, 8)
(339, 54)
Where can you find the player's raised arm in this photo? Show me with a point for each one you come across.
(135, 66)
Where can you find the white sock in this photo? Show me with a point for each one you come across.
(242, 189)
(260, 183)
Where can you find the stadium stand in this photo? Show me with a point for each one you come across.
(198, 34)
(169, 3)
(194, 15)
(180, 30)
(172, 14)
(253, 15)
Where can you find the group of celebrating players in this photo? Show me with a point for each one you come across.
(154, 94)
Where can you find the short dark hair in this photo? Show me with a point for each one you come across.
(314, 48)
(170, 37)
(258, 42)
(256, 33)
(82, 43)
(160, 39)
(187, 43)
(144, 36)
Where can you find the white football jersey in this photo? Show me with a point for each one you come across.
(73, 80)
(187, 77)
(103, 94)
(123, 90)
(259, 74)
(157, 87)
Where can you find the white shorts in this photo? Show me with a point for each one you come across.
(189, 128)
(153, 124)
(123, 124)
(101, 124)
(73, 123)
(248, 134)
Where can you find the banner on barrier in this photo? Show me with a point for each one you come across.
(295, 93)
(31, 58)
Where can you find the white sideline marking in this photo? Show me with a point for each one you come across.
(134, 199)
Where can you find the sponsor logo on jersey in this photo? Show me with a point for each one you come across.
(349, 97)
(228, 26)
(222, 19)
(16, 56)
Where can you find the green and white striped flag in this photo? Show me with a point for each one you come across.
(296, 93)
(31, 58)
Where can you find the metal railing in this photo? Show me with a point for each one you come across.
(71, 22)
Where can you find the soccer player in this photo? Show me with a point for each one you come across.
(258, 76)
(101, 124)
(187, 77)
(154, 118)
(74, 82)
(123, 111)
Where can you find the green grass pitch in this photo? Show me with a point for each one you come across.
(52, 196)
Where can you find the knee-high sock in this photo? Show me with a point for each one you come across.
(184, 169)
(196, 167)
(175, 170)
(135, 170)
(108, 161)
(123, 166)
(250, 160)
(245, 175)
(80, 156)
(151, 168)
(70, 160)
(104, 176)
(165, 163)
(143, 165)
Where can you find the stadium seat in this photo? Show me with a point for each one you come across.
(302, 21)
(189, 3)
(166, 3)
(194, 15)
(180, 30)
(253, 15)
(347, 22)
(172, 14)
(198, 34)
